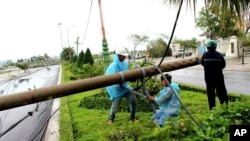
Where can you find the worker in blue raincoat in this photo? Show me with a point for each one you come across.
(118, 91)
(168, 100)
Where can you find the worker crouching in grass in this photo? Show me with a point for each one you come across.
(168, 100)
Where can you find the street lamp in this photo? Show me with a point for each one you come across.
(60, 27)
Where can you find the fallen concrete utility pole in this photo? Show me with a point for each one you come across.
(52, 92)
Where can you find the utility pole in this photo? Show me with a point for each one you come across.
(105, 49)
(77, 43)
(70, 53)
(68, 44)
(52, 92)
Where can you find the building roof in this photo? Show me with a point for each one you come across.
(204, 34)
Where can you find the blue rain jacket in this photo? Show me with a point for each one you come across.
(202, 49)
(169, 104)
(116, 90)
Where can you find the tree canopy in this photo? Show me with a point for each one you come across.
(215, 26)
(88, 59)
(67, 53)
(193, 43)
(240, 7)
(79, 61)
(157, 48)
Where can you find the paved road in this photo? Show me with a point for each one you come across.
(237, 75)
(32, 127)
(235, 81)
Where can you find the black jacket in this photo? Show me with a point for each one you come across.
(213, 63)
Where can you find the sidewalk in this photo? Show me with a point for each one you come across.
(236, 64)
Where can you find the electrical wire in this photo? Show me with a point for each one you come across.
(7, 87)
(43, 115)
(86, 29)
(30, 113)
(22, 119)
(171, 37)
(166, 50)
(17, 123)
(157, 68)
(172, 34)
(46, 123)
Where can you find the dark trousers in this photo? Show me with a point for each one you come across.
(219, 87)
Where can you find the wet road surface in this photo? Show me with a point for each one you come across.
(237, 76)
(29, 122)
(235, 81)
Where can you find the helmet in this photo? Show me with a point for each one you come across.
(211, 43)
(122, 52)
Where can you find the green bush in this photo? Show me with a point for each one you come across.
(99, 102)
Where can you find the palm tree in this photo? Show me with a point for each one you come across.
(67, 53)
(240, 7)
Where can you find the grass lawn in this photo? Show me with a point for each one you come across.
(88, 124)
(80, 124)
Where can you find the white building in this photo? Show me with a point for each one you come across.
(229, 46)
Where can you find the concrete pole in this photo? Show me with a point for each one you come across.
(105, 49)
(77, 43)
(52, 92)
(69, 52)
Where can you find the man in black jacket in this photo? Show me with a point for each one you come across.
(214, 63)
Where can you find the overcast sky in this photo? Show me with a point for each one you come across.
(30, 27)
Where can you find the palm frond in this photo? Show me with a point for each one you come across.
(175, 3)
(240, 7)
